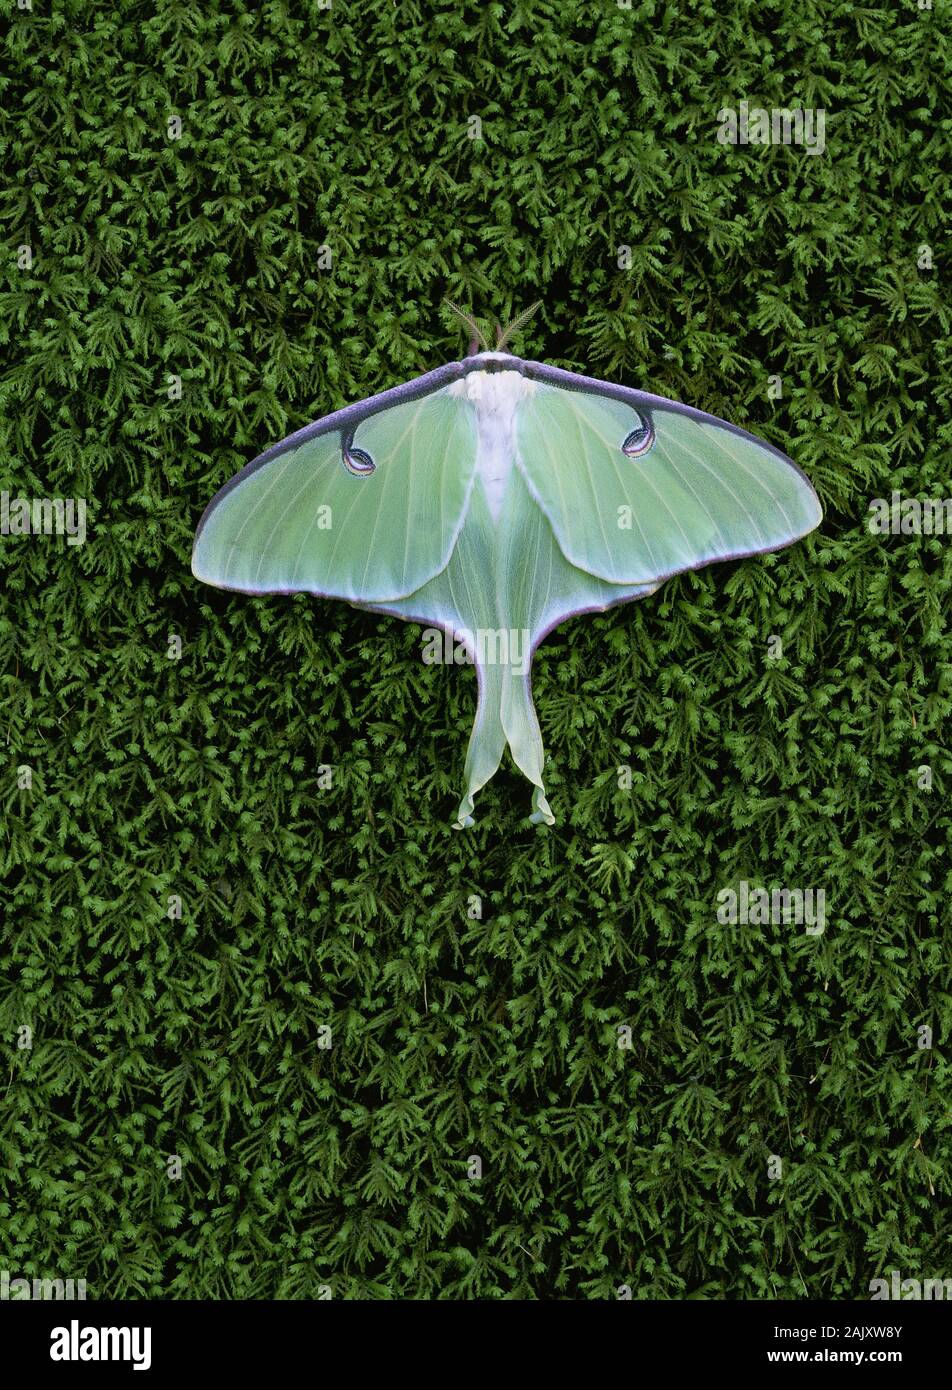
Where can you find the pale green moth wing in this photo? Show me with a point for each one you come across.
(688, 490)
(364, 514)
(492, 499)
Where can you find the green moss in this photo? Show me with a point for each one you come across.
(305, 905)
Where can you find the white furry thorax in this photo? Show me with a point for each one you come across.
(496, 396)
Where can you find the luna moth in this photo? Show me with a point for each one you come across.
(491, 499)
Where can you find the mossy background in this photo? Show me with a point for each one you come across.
(305, 1167)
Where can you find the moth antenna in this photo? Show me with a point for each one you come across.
(518, 322)
(476, 335)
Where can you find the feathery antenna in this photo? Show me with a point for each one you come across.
(476, 333)
(503, 335)
(518, 322)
